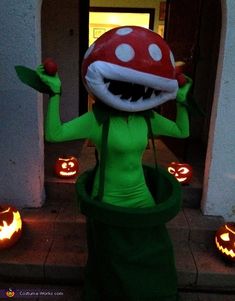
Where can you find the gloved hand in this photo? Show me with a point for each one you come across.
(53, 82)
(183, 91)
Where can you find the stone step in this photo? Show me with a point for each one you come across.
(53, 249)
(60, 189)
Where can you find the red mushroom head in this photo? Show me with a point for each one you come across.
(131, 69)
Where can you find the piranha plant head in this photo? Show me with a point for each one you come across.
(131, 69)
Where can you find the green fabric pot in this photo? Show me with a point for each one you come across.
(130, 255)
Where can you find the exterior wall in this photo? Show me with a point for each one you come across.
(21, 133)
(219, 180)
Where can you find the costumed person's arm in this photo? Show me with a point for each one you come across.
(179, 128)
(55, 130)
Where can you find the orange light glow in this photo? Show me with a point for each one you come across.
(224, 250)
(67, 167)
(8, 210)
(229, 229)
(6, 231)
(181, 171)
(68, 174)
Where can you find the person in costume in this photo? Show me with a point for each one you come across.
(124, 183)
(129, 71)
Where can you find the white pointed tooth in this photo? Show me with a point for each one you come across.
(152, 95)
(145, 89)
(140, 99)
(126, 100)
(107, 85)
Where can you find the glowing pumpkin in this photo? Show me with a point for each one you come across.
(182, 171)
(10, 293)
(225, 240)
(66, 167)
(10, 226)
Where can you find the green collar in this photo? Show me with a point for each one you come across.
(102, 112)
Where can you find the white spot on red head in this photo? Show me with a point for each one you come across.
(155, 52)
(89, 50)
(124, 31)
(172, 59)
(125, 52)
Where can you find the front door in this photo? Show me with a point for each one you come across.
(182, 25)
(192, 30)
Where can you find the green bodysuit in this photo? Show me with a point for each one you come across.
(127, 139)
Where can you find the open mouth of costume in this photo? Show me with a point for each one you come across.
(130, 91)
(127, 89)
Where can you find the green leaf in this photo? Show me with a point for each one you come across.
(31, 79)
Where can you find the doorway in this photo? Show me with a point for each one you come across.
(102, 19)
(193, 33)
(60, 30)
(191, 28)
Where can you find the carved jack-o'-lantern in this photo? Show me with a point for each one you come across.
(66, 167)
(10, 226)
(10, 293)
(225, 240)
(182, 171)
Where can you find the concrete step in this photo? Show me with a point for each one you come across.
(53, 249)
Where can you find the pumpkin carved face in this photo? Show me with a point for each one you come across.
(66, 167)
(225, 240)
(182, 171)
(10, 293)
(10, 226)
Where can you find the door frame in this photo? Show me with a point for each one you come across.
(150, 11)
